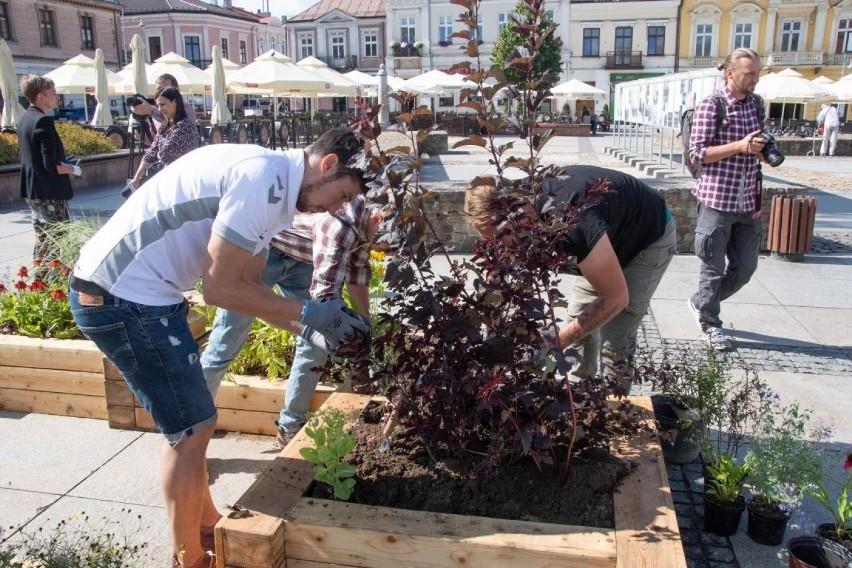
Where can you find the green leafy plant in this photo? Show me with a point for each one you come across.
(32, 307)
(513, 42)
(841, 510)
(783, 461)
(332, 442)
(79, 141)
(726, 478)
(76, 543)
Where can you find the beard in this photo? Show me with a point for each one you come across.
(305, 192)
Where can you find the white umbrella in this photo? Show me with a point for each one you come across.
(337, 85)
(139, 71)
(102, 115)
(220, 113)
(274, 74)
(436, 82)
(788, 86)
(575, 89)
(822, 80)
(77, 76)
(842, 90)
(190, 78)
(12, 109)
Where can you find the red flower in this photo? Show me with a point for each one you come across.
(38, 285)
(37, 262)
(848, 463)
(58, 295)
(66, 272)
(20, 285)
(22, 272)
(2, 288)
(55, 263)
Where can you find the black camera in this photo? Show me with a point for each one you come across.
(770, 151)
(134, 100)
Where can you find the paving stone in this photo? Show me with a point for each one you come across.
(678, 485)
(681, 497)
(712, 540)
(720, 554)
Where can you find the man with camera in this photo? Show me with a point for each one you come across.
(729, 192)
(142, 107)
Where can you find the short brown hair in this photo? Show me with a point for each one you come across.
(32, 85)
(479, 206)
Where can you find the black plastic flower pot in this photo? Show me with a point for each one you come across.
(766, 525)
(683, 448)
(723, 519)
(828, 531)
(816, 552)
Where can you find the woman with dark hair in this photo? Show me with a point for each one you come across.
(176, 136)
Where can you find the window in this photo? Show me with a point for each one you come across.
(87, 32)
(844, 37)
(623, 40)
(338, 45)
(502, 20)
(477, 34)
(742, 35)
(261, 46)
(591, 42)
(224, 42)
(791, 33)
(406, 29)
(551, 15)
(306, 45)
(192, 50)
(703, 40)
(445, 29)
(5, 23)
(243, 54)
(155, 48)
(447, 101)
(46, 27)
(656, 40)
(371, 43)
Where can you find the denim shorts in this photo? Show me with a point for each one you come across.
(154, 349)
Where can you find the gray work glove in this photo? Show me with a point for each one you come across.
(335, 321)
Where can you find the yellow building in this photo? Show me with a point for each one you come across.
(813, 37)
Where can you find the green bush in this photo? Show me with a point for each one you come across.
(78, 141)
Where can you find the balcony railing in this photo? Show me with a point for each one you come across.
(409, 51)
(346, 63)
(838, 59)
(792, 58)
(701, 62)
(623, 60)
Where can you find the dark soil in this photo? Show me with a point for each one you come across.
(829, 532)
(405, 477)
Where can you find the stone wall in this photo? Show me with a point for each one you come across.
(445, 208)
(98, 170)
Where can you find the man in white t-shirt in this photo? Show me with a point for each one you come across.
(830, 120)
(210, 216)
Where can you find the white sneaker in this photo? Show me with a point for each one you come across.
(716, 338)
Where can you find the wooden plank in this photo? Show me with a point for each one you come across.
(795, 215)
(63, 354)
(802, 231)
(261, 394)
(774, 233)
(647, 534)
(52, 380)
(197, 323)
(61, 404)
(121, 417)
(119, 394)
(811, 220)
(784, 240)
(356, 535)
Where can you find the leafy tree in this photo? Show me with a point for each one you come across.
(548, 55)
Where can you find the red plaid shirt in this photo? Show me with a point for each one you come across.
(731, 184)
(336, 245)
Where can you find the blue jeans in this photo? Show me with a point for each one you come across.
(154, 349)
(728, 245)
(231, 329)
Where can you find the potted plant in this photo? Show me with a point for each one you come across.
(840, 529)
(783, 464)
(723, 500)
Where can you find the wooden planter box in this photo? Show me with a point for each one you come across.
(71, 377)
(288, 529)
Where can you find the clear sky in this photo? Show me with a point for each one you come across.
(276, 7)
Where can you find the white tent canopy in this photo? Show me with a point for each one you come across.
(78, 76)
(191, 79)
(436, 82)
(788, 86)
(274, 74)
(337, 85)
(576, 89)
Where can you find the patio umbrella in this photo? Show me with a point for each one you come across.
(139, 74)
(274, 73)
(220, 113)
(336, 84)
(842, 90)
(77, 76)
(578, 90)
(788, 86)
(822, 80)
(369, 84)
(190, 78)
(12, 109)
(436, 82)
(102, 116)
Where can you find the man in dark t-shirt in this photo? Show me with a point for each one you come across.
(623, 243)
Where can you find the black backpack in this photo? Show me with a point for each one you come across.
(721, 117)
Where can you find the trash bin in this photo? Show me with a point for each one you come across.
(791, 227)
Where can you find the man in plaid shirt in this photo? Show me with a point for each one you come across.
(728, 192)
(313, 259)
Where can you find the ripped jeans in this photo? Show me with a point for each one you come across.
(154, 349)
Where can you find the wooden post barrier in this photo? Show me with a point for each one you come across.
(791, 226)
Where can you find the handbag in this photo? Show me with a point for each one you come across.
(821, 129)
